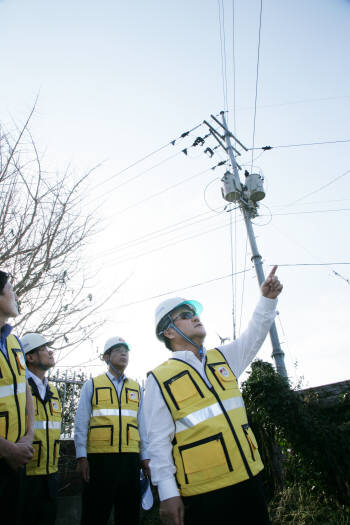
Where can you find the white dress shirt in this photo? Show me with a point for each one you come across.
(42, 385)
(159, 422)
(83, 414)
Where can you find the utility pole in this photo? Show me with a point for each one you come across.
(247, 196)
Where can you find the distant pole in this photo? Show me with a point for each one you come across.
(277, 352)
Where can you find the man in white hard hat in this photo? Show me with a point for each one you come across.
(40, 485)
(109, 439)
(16, 409)
(203, 454)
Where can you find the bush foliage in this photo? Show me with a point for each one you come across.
(301, 440)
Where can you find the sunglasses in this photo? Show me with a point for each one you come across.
(185, 315)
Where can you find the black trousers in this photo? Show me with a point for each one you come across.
(11, 494)
(243, 504)
(40, 500)
(114, 483)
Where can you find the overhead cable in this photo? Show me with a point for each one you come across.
(180, 289)
(268, 148)
(320, 188)
(257, 80)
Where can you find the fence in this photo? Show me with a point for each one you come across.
(69, 386)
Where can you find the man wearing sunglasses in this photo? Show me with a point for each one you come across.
(16, 409)
(41, 480)
(203, 455)
(109, 438)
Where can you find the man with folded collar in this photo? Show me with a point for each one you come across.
(40, 484)
(16, 409)
(204, 458)
(109, 439)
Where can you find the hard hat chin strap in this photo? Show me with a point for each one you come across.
(119, 375)
(199, 347)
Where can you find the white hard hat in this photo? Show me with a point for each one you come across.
(32, 341)
(113, 341)
(169, 305)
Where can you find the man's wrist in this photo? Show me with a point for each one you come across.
(167, 488)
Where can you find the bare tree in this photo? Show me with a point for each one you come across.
(42, 231)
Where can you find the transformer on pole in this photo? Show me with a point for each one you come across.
(247, 195)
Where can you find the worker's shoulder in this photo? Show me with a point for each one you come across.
(167, 367)
(132, 382)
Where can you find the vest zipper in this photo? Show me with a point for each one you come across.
(120, 416)
(244, 459)
(47, 438)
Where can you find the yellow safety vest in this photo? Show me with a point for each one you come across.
(12, 391)
(113, 423)
(47, 430)
(213, 446)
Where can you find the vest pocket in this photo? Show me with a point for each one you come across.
(55, 406)
(104, 395)
(132, 434)
(206, 459)
(132, 396)
(37, 453)
(101, 433)
(253, 446)
(56, 451)
(183, 390)
(4, 424)
(20, 362)
(223, 375)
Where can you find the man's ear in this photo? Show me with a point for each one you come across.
(169, 333)
(29, 359)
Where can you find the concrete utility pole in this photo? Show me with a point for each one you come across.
(247, 197)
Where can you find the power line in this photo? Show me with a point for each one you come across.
(305, 212)
(234, 66)
(171, 142)
(257, 80)
(180, 289)
(268, 148)
(312, 264)
(159, 248)
(151, 236)
(320, 188)
(158, 193)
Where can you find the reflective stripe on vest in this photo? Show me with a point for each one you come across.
(113, 424)
(206, 413)
(114, 412)
(213, 446)
(51, 425)
(9, 390)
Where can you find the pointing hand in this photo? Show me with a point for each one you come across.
(271, 288)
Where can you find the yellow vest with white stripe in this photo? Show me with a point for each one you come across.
(113, 423)
(47, 430)
(12, 391)
(213, 446)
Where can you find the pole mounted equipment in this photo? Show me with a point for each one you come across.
(247, 195)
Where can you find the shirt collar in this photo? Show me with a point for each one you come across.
(6, 330)
(39, 383)
(114, 379)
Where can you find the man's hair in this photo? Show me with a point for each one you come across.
(3, 280)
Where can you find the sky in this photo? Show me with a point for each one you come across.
(118, 81)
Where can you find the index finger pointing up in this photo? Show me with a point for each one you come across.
(273, 271)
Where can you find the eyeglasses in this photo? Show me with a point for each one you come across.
(119, 349)
(185, 315)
